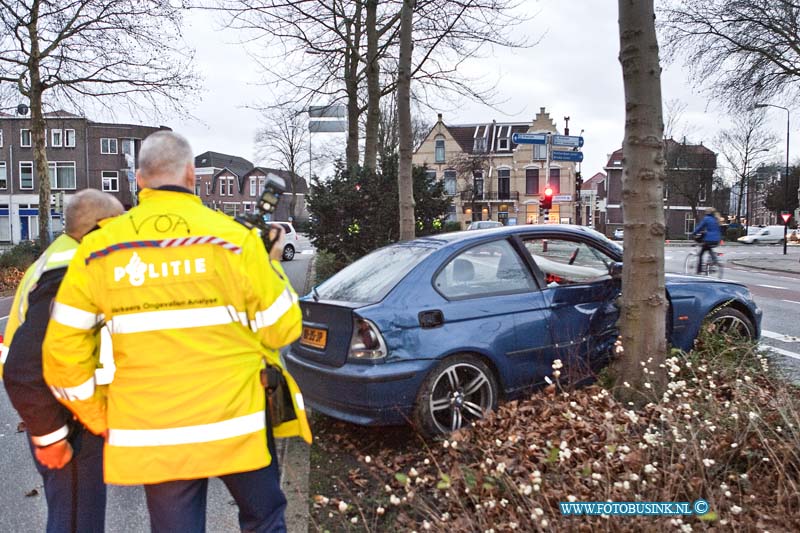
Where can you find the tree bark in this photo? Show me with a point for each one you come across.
(38, 129)
(404, 176)
(373, 87)
(643, 301)
(351, 88)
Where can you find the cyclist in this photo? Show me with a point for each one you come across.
(708, 233)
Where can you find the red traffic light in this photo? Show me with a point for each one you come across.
(548, 192)
(547, 201)
(786, 217)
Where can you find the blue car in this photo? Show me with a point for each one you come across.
(436, 330)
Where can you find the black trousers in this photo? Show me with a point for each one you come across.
(708, 246)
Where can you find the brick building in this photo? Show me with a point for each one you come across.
(492, 178)
(81, 154)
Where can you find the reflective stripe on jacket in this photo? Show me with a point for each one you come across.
(57, 255)
(196, 307)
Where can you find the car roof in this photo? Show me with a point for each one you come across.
(535, 229)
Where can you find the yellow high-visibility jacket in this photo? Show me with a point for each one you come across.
(195, 308)
(57, 255)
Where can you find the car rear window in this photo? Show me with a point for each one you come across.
(370, 279)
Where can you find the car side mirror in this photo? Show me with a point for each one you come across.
(615, 270)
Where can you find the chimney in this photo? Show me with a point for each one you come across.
(440, 117)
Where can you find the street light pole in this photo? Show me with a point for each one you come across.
(786, 176)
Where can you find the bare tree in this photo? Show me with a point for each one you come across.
(283, 142)
(404, 173)
(739, 50)
(744, 145)
(674, 126)
(689, 178)
(76, 52)
(643, 300)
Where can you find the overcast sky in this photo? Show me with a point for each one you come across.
(572, 72)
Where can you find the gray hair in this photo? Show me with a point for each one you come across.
(163, 157)
(86, 208)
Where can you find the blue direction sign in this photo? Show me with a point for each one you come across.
(560, 155)
(567, 140)
(529, 138)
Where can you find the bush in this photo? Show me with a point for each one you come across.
(731, 234)
(452, 226)
(727, 430)
(20, 256)
(326, 265)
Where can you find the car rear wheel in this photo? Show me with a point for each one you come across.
(288, 252)
(732, 322)
(458, 391)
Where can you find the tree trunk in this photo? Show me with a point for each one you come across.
(373, 87)
(351, 88)
(643, 301)
(38, 130)
(404, 177)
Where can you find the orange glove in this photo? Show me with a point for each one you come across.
(54, 456)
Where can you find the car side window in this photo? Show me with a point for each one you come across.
(563, 262)
(483, 270)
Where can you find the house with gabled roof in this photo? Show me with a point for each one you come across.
(233, 185)
(490, 177)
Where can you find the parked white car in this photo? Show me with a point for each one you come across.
(290, 241)
(766, 235)
(484, 224)
(619, 234)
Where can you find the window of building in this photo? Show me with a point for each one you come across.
(701, 196)
(62, 174)
(555, 180)
(450, 182)
(503, 138)
(69, 138)
(440, 155)
(253, 187)
(688, 223)
(261, 183)
(531, 181)
(477, 178)
(430, 173)
(230, 208)
(230, 186)
(25, 138)
(479, 139)
(208, 188)
(108, 146)
(110, 180)
(503, 183)
(26, 175)
(539, 152)
(3, 175)
(56, 138)
(1, 138)
(451, 213)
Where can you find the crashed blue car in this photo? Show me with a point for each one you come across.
(436, 330)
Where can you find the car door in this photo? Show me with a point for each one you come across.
(491, 293)
(581, 296)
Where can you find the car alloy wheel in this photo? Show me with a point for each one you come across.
(288, 252)
(732, 322)
(458, 391)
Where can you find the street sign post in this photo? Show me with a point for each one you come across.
(561, 155)
(529, 138)
(567, 140)
(786, 216)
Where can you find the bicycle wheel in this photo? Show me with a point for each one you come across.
(715, 269)
(690, 265)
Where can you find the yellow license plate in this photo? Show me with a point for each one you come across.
(314, 337)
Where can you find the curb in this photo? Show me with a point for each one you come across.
(741, 263)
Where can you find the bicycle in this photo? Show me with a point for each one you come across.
(711, 268)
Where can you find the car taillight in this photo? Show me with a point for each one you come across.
(366, 342)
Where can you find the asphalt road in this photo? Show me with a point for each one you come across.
(23, 510)
(776, 293)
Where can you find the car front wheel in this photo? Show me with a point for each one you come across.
(731, 322)
(458, 391)
(288, 252)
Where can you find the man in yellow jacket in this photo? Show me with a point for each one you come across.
(196, 307)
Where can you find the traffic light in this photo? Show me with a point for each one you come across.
(547, 199)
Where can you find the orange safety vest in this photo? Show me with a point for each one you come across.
(195, 308)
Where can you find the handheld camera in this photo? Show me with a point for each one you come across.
(274, 186)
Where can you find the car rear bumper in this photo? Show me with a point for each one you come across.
(368, 395)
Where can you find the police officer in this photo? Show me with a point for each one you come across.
(69, 458)
(197, 308)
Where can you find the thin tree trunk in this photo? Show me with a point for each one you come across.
(373, 87)
(643, 301)
(404, 176)
(38, 129)
(351, 87)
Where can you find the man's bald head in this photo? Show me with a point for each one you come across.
(86, 208)
(165, 158)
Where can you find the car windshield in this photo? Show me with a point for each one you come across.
(605, 239)
(370, 279)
